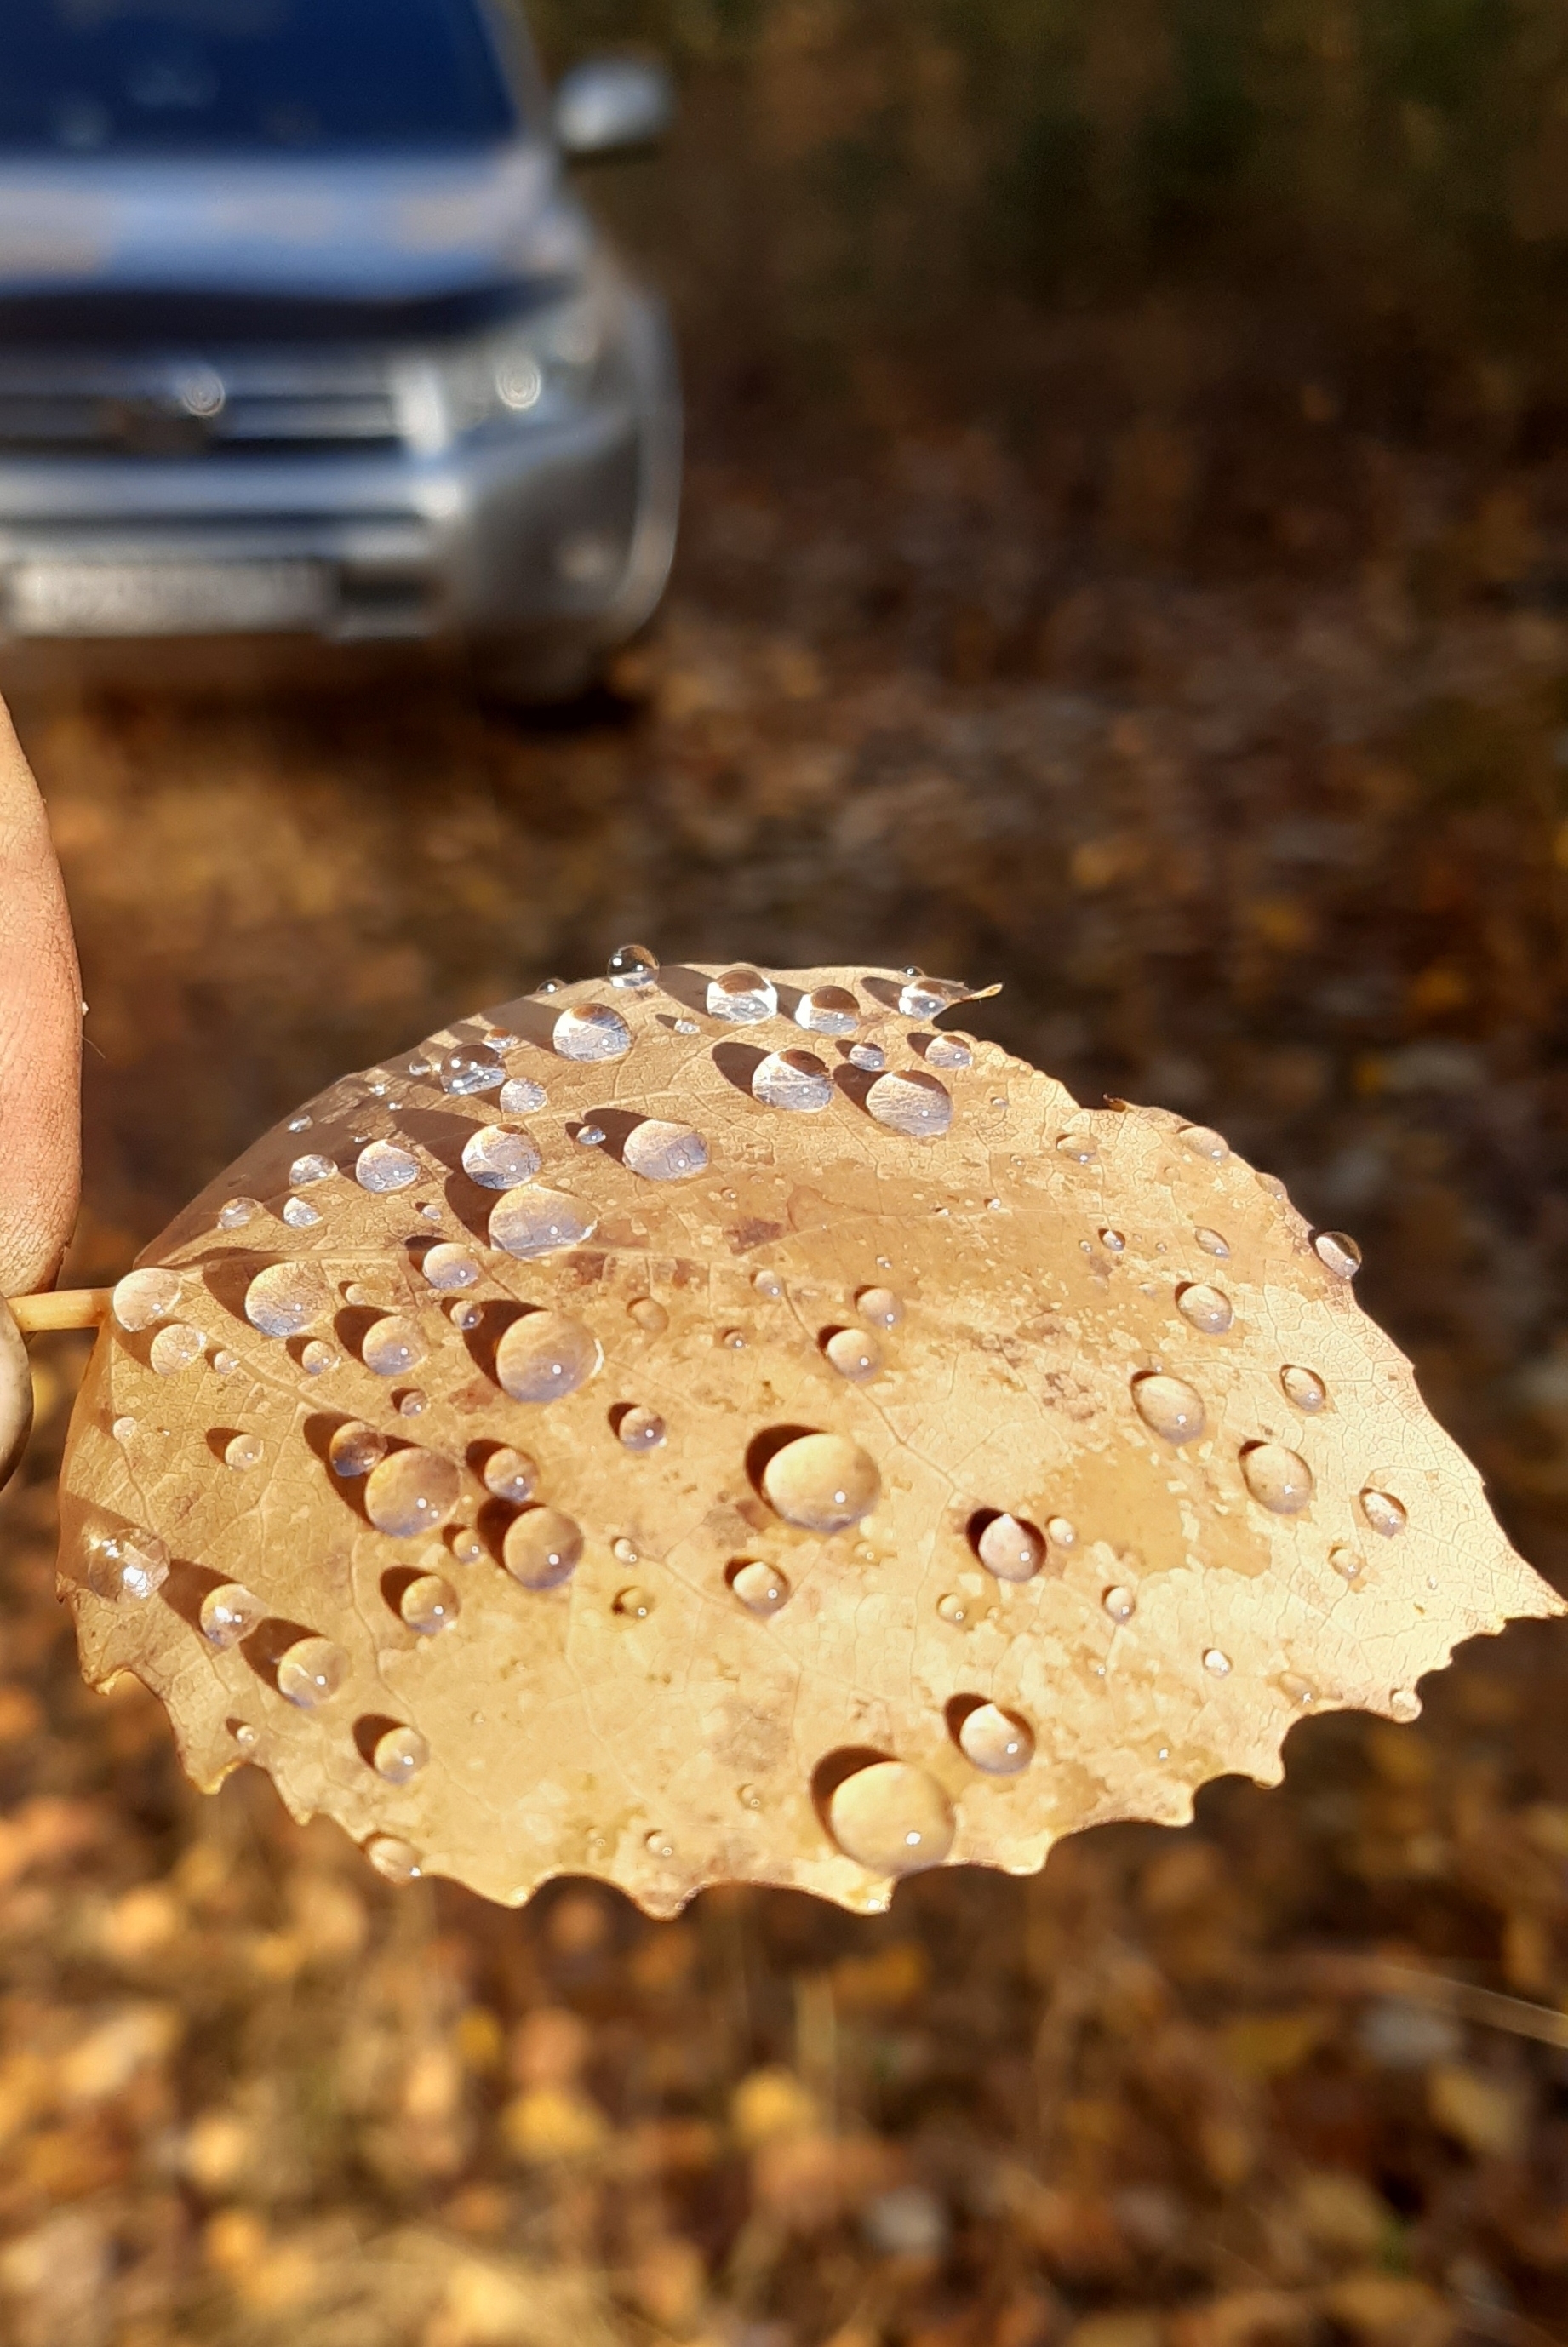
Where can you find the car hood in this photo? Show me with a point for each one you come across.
(380, 229)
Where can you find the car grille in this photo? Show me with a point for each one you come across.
(250, 405)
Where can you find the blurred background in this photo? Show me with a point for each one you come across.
(1124, 553)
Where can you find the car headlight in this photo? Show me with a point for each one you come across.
(544, 366)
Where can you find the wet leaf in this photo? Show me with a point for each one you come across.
(1112, 1483)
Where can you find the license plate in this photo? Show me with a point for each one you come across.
(164, 599)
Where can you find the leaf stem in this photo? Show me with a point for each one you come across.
(60, 1307)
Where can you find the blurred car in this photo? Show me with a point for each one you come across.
(303, 332)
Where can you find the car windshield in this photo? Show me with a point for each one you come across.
(185, 77)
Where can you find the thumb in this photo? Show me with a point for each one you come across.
(40, 1037)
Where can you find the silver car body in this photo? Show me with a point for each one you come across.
(259, 395)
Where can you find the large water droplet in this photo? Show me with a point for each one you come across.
(792, 1080)
(880, 1306)
(541, 1548)
(995, 1741)
(242, 1452)
(511, 1474)
(1339, 1252)
(1010, 1549)
(355, 1448)
(822, 1482)
(176, 1347)
(410, 1492)
(520, 1096)
(532, 1222)
(741, 995)
(1305, 1387)
(313, 1168)
(926, 998)
(1211, 1241)
(1203, 1140)
(448, 1267)
(852, 1355)
(382, 1165)
(300, 1214)
(648, 1314)
(392, 1345)
(285, 1298)
(870, 1056)
(143, 1297)
(428, 1604)
(1276, 1478)
(913, 1103)
(664, 1153)
(761, 1588)
(640, 1429)
(394, 1858)
(311, 1672)
(1208, 1308)
(127, 1565)
(1383, 1511)
(545, 1355)
(892, 1818)
(497, 1159)
(632, 966)
(471, 1068)
(230, 1613)
(591, 1031)
(1169, 1407)
(400, 1754)
(947, 1051)
(828, 1011)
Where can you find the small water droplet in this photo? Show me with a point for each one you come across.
(394, 1858)
(532, 1222)
(1305, 1387)
(470, 1068)
(1113, 1240)
(589, 1136)
(467, 1547)
(1060, 1532)
(1273, 1185)
(428, 1604)
(419, 1065)
(1121, 1603)
(400, 1754)
(392, 1345)
(632, 966)
(1339, 1252)
(315, 1359)
(659, 1844)
(822, 1482)
(828, 1011)
(1203, 1140)
(123, 1428)
(520, 1096)
(299, 1124)
(734, 1341)
(498, 1159)
(748, 1797)
(382, 1166)
(510, 1474)
(238, 1212)
(768, 1283)
(247, 1736)
(1297, 1691)
(648, 1314)
(428, 1211)
(927, 997)
(947, 1051)
(447, 1266)
(792, 1080)
(545, 1355)
(410, 1491)
(313, 1168)
(1205, 1307)
(1169, 1407)
(175, 1348)
(1081, 1147)
(464, 1316)
(412, 1403)
(869, 1056)
(1217, 1662)
(591, 1031)
(741, 995)
(891, 1817)
(762, 1588)
(854, 1356)
(640, 1429)
(127, 1567)
(1404, 1704)
(1347, 1563)
(687, 1027)
(992, 1739)
(311, 1672)
(1010, 1549)
(635, 1605)
(242, 1450)
(229, 1614)
(143, 1297)
(880, 1306)
(300, 1214)
(542, 1548)
(1383, 1511)
(226, 1363)
(1211, 1242)
(953, 1610)
(661, 1152)
(912, 1102)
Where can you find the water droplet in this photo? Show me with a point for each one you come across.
(242, 1450)
(635, 1605)
(1217, 1662)
(394, 1858)
(448, 1265)
(1113, 1240)
(175, 1348)
(648, 1314)
(640, 1429)
(123, 1428)
(229, 1614)
(1081, 1147)
(870, 1056)
(1339, 1252)
(659, 1844)
(470, 1068)
(300, 1214)
(541, 1548)
(143, 1297)
(664, 1153)
(768, 1283)
(748, 1797)
(127, 1567)
(468, 1547)
(947, 1051)
(382, 1166)
(315, 1359)
(1169, 1407)
(880, 1306)
(545, 1355)
(1305, 1387)
(892, 1818)
(589, 1136)
(624, 1550)
(247, 1736)
(510, 1474)
(953, 1610)
(1276, 1478)
(761, 1588)
(855, 1357)
(391, 1345)
(1404, 1704)
(828, 1011)
(1060, 1532)
(498, 1159)
(822, 1482)
(410, 1404)
(313, 1168)
(1010, 1549)
(1203, 1140)
(1121, 1603)
(912, 1102)
(464, 1316)
(1211, 1242)
(1383, 1513)
(238, 1212)
(1297, 1690)
(1273, 1185)
(400, 1754)
(632, 966)
(687, 1027)
(995, 1741)
(532, 1222)
(1208, 1308)
(311, 1672)
(429, 1605)
(792, 1080)
(298, 1123)
(927, 997)
(1347, 1563)
(521, 1096)
(591, 1031)
(734, 1341)
(741, 995)
(410, 1492)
